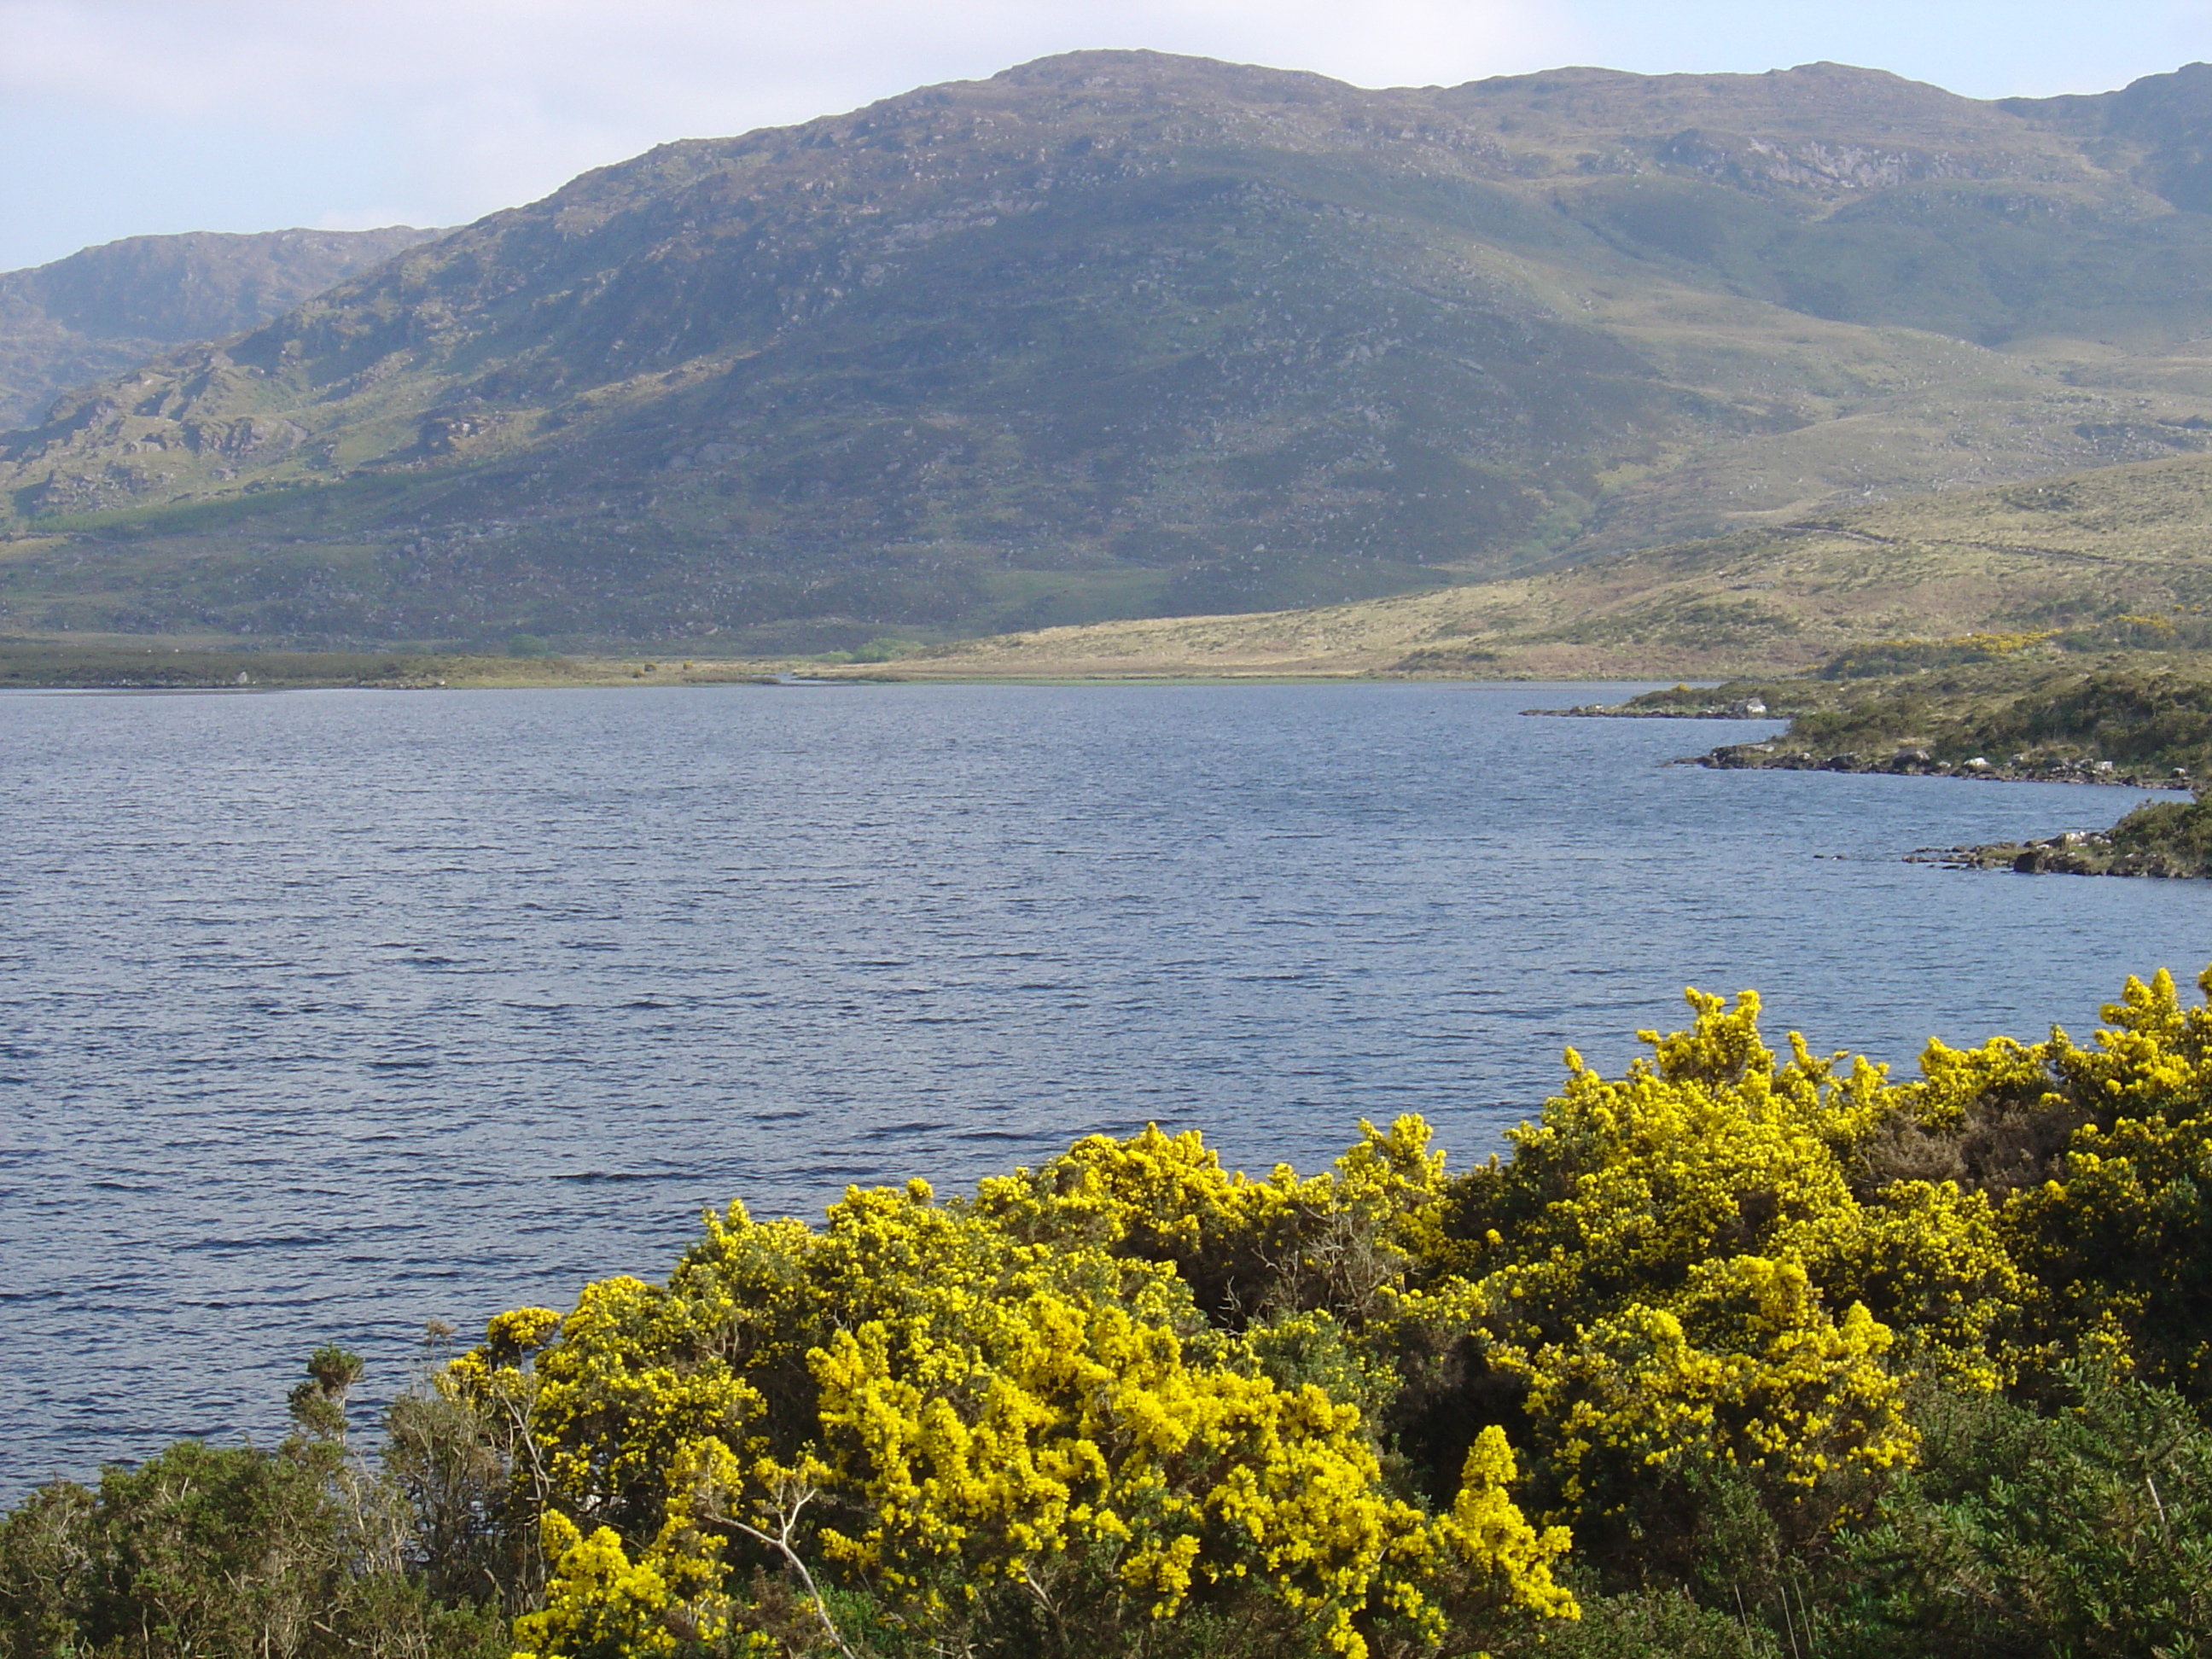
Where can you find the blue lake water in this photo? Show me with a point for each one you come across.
(327, 1014)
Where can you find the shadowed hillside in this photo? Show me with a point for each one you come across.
(2123, 552)
(1120, 334)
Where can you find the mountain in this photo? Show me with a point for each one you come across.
(106, 309)
(1120, 334)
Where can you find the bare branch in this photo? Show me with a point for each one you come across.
(787, 1519)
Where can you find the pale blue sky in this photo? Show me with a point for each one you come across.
(121, 117)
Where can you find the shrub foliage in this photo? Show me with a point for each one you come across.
(1741, 1353)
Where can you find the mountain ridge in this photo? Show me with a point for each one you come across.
(102, 310)
(1118, 333)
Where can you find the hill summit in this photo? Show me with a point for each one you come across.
(1120, 334)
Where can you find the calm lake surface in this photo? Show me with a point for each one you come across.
(330, 1013)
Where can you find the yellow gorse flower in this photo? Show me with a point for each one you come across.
(1132, 1379)
(1001, 1392)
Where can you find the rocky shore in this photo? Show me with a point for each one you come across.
(2142, 721)
(1921, 762)
(2158, 838)
(2076, 853)
(1742, 709)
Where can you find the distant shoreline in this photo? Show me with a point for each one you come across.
(60, 666)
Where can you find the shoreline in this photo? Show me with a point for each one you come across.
(2165, 838)
(1919, 764)
(45, 665)
(2075, 853)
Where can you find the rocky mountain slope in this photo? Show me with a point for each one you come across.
(106, 309)
(1118, 334)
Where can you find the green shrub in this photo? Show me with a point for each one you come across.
(206, 1552)
(2085, 1532)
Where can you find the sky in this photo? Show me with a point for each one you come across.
(122, 117)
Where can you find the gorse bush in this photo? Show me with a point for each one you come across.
(1741, 1353)
(1884, 657)
(1015, 1399)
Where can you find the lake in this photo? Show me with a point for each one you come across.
(330, 1014)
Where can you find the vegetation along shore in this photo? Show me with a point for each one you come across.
(2127, 702)
(1743, 1352)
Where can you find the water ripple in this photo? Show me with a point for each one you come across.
(330, 1014)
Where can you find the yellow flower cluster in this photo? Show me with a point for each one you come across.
(601, 1601)
(1680, 1264)
(1007, 1393)
(1129, 1380)
(1487, 1533)
(1246, 1248)
(2121, 1236)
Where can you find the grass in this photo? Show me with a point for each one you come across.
(2116, 560)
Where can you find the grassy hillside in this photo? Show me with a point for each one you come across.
(1117, 334)
(2085, 552)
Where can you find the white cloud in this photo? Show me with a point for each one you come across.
(441, 109)
(188, 56)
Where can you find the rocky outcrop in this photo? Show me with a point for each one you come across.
(2076, 853)
(1739, 708)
